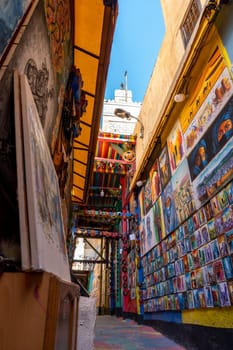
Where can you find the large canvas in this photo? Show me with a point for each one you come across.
(212, 141)
(211, 107)
(215, 64)
(11, 12)
(213, 177)
(47, 238)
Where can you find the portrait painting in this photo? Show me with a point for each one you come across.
(147, 195)
(169, 210)
(221, 130)
(199, 157)
(158, 220)
(175, 147)
(141, 202)
(164, 167)
(150, 237)
(224, 295)
(155, 181)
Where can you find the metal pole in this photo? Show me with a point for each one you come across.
(101, 281)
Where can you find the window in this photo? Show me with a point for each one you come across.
(190, 21)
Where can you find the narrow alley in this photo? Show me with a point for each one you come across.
(117, 333)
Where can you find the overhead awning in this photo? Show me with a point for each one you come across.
(93, 34)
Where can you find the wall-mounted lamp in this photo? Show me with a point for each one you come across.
(121, 113)
(180, 97)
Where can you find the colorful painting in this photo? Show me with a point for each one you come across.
(11, 12)
(175, 147)
(214, 67)
(158, 221)
(147, 196)
(212, 141)
(213, 177)
(155, 181)
(164, 167)
(209, 110)
(142, 237)
(47, 236)
(150, 236)
(183, 192)
(169, 209)
(58, 17)
(141, 202)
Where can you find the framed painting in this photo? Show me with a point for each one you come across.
(46, 230)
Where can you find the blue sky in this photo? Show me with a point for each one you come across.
(137, 40)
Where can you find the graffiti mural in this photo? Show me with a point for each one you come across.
(38, 80)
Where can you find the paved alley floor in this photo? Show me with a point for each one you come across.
(116, 333)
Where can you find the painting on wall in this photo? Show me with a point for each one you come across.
(216, 175)
(142, 237)
(158, 220)
(212, 141)
(141, 202)
(147, 195)
(150, 237)
(164, 167)
(46, 230)
(183, 192)
(215, 65)
(211, 107)
(58, 17)
(169, 210)
(175, 147)
(11, 12)
(155, 181)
